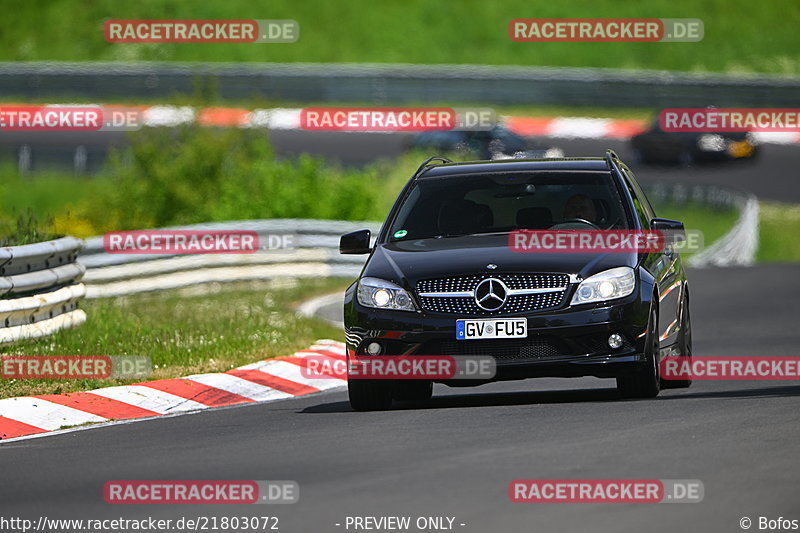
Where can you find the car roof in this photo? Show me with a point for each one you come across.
(516, 165)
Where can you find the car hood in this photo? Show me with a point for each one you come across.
(406, 262)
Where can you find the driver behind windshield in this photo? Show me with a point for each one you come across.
(580, 206)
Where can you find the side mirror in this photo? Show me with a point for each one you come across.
(673, 230)
(356, 242)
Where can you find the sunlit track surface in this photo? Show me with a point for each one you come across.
(456, 455)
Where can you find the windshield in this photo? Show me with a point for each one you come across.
(500, 203)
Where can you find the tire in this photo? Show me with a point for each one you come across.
(645, 382)
(370, 394)
(685, 344)
(415, 390)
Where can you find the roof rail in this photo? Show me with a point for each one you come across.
(429, 163)
(611, 155)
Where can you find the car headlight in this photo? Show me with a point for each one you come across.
(711, 142)
(607, 285)
(751, 138)
(382, 294)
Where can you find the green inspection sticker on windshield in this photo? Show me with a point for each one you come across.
(399, 234)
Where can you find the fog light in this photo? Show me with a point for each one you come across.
(374, 348)
(615, 341)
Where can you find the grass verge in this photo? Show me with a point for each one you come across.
(714, 223)
(779, 227)
(185, 331)
(194, 174)
(740, 35)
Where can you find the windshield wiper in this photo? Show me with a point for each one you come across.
(450, 235)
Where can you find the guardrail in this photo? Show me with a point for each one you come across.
(737, 247)
(398, 83)
(40, 286)
(314, 253)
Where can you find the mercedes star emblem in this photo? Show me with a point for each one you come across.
(490, 294)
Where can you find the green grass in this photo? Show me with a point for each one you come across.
(26, 229)
(713, 223)
(44, 191)
(779, 227)
(740, 35)
(195, 174)
(34, 208)
(184, 332)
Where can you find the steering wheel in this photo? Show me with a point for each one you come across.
(574, 221)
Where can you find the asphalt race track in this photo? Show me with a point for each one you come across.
(456, 455)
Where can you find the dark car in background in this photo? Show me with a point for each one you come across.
(687, 148)
(445, 246)
(496, 143)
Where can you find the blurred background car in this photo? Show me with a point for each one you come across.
(686, 148)
(497, 143)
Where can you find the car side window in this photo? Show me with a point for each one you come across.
(648, 208)
(644, 221)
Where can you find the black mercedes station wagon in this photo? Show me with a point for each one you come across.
(442, 260)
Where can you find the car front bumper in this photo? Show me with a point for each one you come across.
(568, 342)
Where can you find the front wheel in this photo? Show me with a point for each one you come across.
(645, 382)
(370, 394)
(685, 344)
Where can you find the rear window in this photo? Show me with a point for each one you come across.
(500, 203)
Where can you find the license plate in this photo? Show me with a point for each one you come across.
(493, 328)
